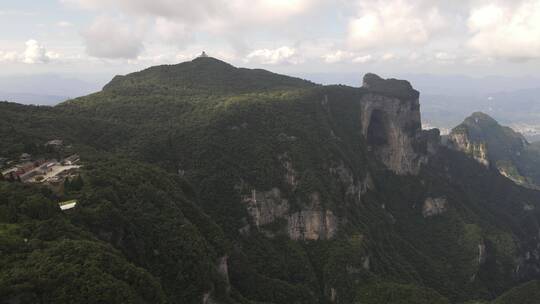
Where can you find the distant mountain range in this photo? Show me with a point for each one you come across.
(29, 98)
(45, 89)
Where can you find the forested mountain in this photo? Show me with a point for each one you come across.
(500, 147)
(206, 183)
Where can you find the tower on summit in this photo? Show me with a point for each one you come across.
(203, 55)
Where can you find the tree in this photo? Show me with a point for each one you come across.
(77, 183)
(74, 184)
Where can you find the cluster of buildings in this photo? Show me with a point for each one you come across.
(51, 172)
(43, 171)
(39, 170)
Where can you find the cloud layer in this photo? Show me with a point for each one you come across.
(309, 33)
(508, 31)
(282, 55)
(393, 23)
(110, 38)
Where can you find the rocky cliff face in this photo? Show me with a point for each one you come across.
(459, 139)
(313, 222)
(391, 124)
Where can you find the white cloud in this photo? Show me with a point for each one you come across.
(506, 31)
(110, 38)
(444, 56)
(184, 57)
(53, 55)
(171, 31)
(267, 11)
(279, 56)
(196, 13)
(176, 23)
(35, 53)
(8, 56)
(363, 59)
(485, 17)
(479, 60)
(180, 9)
(64, 24)
(346, 56)
(388, 57)
(338, 56)
(393, 23)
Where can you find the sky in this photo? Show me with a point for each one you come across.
(93, 38)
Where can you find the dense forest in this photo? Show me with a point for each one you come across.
(173, 156)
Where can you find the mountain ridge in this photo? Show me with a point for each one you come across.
(206, 73)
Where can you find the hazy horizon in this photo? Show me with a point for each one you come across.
(73, 85)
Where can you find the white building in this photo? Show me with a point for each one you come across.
(67, 205)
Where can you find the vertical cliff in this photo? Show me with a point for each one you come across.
(391, 124)
(459, 139)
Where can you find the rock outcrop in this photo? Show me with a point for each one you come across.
(266, 207)
(459, 139)
(353, 189)
(391, 124)
(482, 254)
(313, 222)
(434, 206)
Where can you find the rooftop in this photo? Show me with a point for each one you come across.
(68, 204)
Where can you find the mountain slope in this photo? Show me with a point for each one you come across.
(130, 240)
(317, 194)
(508, 151)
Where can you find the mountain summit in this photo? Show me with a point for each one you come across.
(487, 141)
(393, 87)
(203, 75)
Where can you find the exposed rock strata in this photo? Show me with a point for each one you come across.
(460, 140)
(311, 223)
